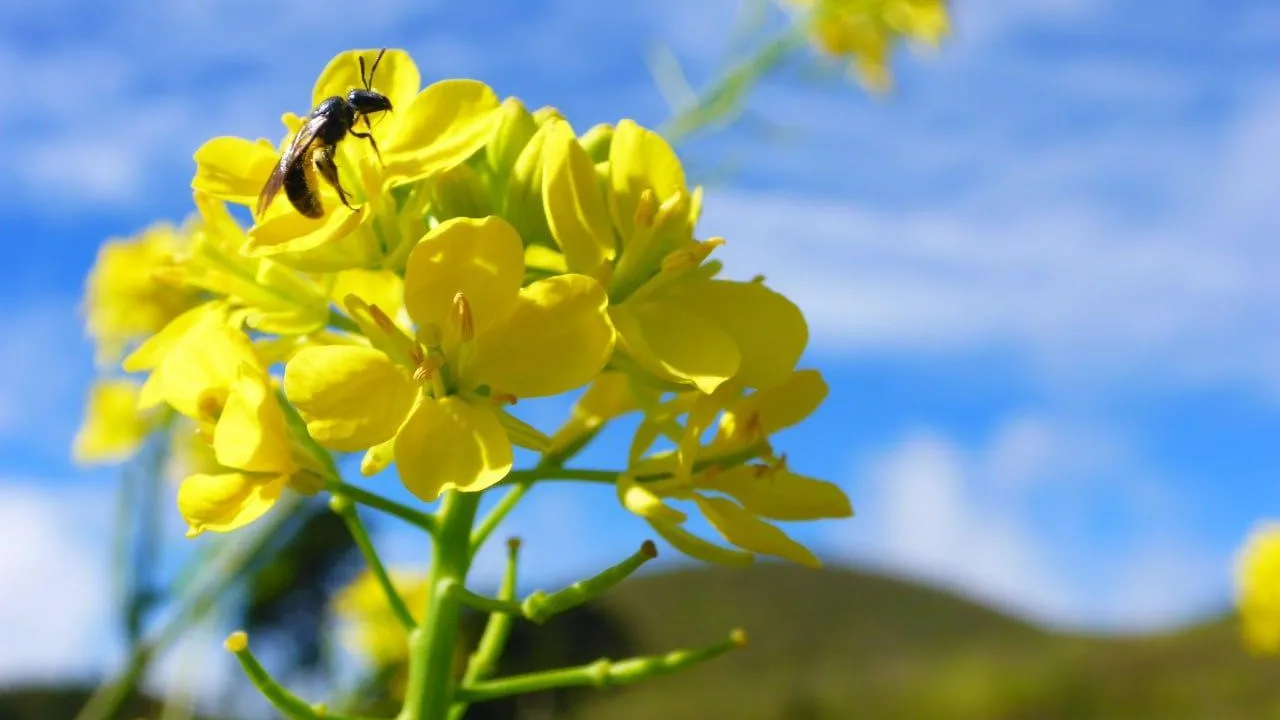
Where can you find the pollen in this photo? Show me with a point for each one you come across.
(236, 642)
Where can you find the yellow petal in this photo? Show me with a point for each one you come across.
(396, 77)
(234, 169)
(675, 344)
(448, 444)
(292, 232)
(482, 259)
(779, 494)
(639, 160)
(224, 502)
(575, 207)
(199, 371)
(769, 330)
(113, 428)
(442, 126)
(751, 533)
(250, 434)
(383, 288)
(556, 338)
(544, 260)
(695, 547)
(149, 354)
(639, 500)
(762, 413)
(352, 397)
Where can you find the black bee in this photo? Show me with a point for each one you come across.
(316, 144)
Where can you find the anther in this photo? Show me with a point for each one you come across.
(460, 317)
(690, 257)
(646, 209)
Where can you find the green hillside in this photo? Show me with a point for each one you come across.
(840, 644)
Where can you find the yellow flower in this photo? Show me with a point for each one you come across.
(737, 500)
(123, 301)
(434, 403)
(113, 427)
(1258, 589)
(211, 374)
(675, 320)
(868, 30)
(371, 626)
(425, 133)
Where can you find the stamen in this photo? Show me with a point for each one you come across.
(461, 319)
(690, 257)
(646, 209)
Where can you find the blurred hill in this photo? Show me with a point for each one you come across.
(841, 644)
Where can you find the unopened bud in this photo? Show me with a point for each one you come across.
(236, 642)
(515, 127)
(597, 142)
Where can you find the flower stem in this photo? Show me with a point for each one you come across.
(498, 514)
(347, 511)
(602, 673)
(539, 606)
(289, 705)
(432, 646)
(390, 507)
(484, 661)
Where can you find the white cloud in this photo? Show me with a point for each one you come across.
(55, 605)
(1021, 523)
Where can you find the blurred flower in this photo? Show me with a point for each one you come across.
(1258, 589)
(482, 341)
(113, 427)
(372, 628)
(124, 303)
(867, 31)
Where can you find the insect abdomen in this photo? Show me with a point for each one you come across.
(299, 181)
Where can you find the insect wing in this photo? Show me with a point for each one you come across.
(295, 153)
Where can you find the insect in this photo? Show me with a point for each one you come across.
(316, 145)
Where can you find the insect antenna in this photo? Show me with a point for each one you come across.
(368, 79)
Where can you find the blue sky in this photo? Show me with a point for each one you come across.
(1041, 277)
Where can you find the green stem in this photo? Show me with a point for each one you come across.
(490, 605)
(290, 705)
(484, 661)
(602, 673)
(342, 322)
(347, 511)
(390, 507)
(539, 606)
(722, 461)
(432, 646)
(498, 514)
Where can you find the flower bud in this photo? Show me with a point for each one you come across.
(459, 192)
(597, 141)
(515, 128)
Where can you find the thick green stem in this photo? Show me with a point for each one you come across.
(602, 673)
(347, 511)
(433, 645)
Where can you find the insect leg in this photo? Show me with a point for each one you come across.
(323, 159)
(368, 136)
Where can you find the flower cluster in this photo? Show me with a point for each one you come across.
(488, 254)
(1258, 589)
(868, 31)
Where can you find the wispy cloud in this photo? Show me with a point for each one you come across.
(1045, 518)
